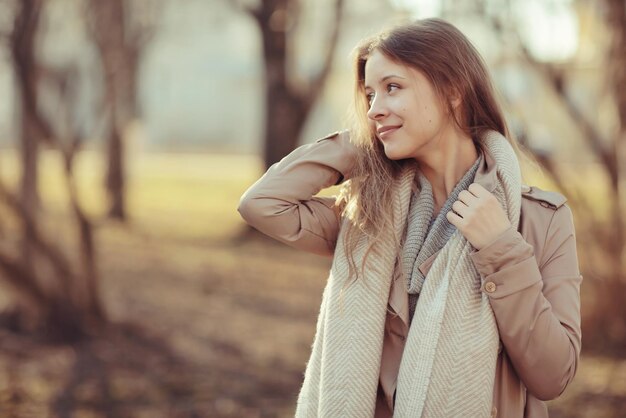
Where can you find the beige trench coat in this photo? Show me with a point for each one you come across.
(531, 275)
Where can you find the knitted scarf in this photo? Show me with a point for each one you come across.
(449, 360)
(425, 237)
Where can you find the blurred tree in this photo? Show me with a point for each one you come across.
(54, 297)
(606, 234)
(32, 128)
(51, 295)
(287, 104)
(121, 29)
(613, 156)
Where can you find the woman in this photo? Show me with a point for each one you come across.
(454, 289)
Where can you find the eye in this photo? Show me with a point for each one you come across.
(369, 97)
(391, 87)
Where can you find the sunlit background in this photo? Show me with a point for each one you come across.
(130, 286)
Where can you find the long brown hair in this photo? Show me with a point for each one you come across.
(452, 64)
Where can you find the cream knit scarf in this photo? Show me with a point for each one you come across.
(449, 360)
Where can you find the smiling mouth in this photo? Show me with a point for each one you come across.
(386, 131)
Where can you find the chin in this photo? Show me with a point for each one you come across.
(394, 155)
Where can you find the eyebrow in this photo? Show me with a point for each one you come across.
(384, 79)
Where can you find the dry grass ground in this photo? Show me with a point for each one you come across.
(207, 320)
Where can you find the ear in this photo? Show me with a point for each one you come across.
(455, 99)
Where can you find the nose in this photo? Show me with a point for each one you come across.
(377, 110)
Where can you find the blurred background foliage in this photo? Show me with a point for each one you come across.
(130, 287)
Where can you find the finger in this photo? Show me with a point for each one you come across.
(454, 219)
(467, 197)
(477, 190)
(460, 208)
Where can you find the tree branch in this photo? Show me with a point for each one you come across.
(555, 80)
(590, 133)
(21, 280)
(55, 258)
(22, 40)
(548, 165)
(238, 5)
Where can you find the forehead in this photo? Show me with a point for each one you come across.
(379, 68)
(378, 65)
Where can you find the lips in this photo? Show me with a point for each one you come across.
(385, 131)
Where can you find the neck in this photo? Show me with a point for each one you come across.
(445, 165)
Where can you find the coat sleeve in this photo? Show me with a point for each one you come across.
(282, 205)
(536, 304)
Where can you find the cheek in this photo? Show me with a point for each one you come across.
(372, 127)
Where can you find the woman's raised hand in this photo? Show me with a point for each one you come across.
(479, 216)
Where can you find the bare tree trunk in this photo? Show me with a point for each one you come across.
(23, 52)
(120, 82)
(29, 151)
(29, 193)
(64, 300)
(84, 292)
(286, 111)
(615, 288)
(22, 49)
(64, 303)
(108, 29)
(616, 19)
(87, 281)
(116, 176)
(121, 45)
(287, 106)
(61, 312)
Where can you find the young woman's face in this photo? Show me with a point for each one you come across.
(405, 111)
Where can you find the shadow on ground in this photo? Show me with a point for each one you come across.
(128, 373)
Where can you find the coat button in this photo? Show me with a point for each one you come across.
(490, 287)
(494, 412)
